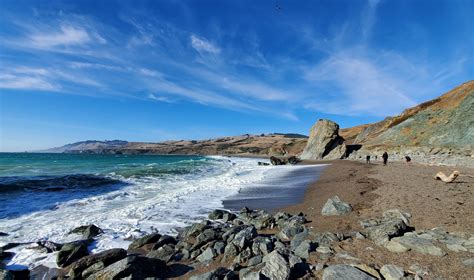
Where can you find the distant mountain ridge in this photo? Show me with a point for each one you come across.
(87, 145)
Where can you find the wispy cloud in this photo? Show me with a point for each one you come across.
(12, 81)
(203, 45)
(67, 35)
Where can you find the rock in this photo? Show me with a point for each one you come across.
(417, 244)
(468, 263)
(205, 237)
(88, 232)
(48, 246)
(5, 255)
(293, 160)
(393, 223)
(244, 236)
(230, 252)
(44, 272)
(325, 238)
(290, 231)
(6, 274)
(263, 220)
(193, 230)
(255, 260)
(469, 244)
(164, 253)
(392, 272)
(219, 247)
(164, 240)
(324, 142)
(369, 270)
(324, 250)
(298, 268)
(244, 256)
(105, 258)
(276, 161)
(3, 234)
(252, 273)
(418, 270)
(71, 252)
(227, 217)
(343, 271)
(304, 249)
(297, 239)
(335, 206)
(132, 267)
(456, 248)
(262, 245)
(276, 266)
(207, 255)
(217, 214)
(395, 247)
(147, 239)
(219, 273)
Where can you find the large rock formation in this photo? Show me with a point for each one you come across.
(324, 142)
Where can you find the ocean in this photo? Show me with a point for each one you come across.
(44, 196)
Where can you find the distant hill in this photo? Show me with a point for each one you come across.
(87, 146)
(265, 144)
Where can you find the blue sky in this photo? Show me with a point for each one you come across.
(159, 70)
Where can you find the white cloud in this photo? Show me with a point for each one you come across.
(68, 35)
(203, 45)
(11, 81)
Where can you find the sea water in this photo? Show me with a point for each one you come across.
(45, 196)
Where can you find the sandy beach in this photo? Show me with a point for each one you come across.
(374, 188)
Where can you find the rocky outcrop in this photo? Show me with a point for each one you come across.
(335, 206)
(71, 252)
(324, 142)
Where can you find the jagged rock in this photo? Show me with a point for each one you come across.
(244, 256)
(252, 273)
(368, 269)
(324, 142)
(217, 214)
(48, 246)
(335, 206)
(325, 238)
(392, 272)
(343, 271)
(228, 216)
(290, 231)
(244, 236)
(395, 247)
(207, 255)
(276, 161)
(105, 258)
(164, 240)
(88, 232)
(293, 160)
(219, 247)
(298, 238)
(217, 274)
(147, 239)
(418, 244)
(193, 230)
(71, 252)
(255, 260)
(262, 245)
(276, 266)
(230, 252)
(131, 267)
(304, 249)
(205, 237)
(393, 223)
(164, 253)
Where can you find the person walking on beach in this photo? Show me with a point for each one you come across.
(367, 159)
(385, 158)
(407, 159)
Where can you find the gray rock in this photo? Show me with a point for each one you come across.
(262, 245)
(324, 142)
(88, 232)
(244, 256)
(276, 266)
(147, 239)
(164, 240)
(392, 272)
(290, 231)
(205, 237)
(6, 274)
(219, 247)
(96, 267)
(244, 237)
(217, 214)
(304, 249)
(298, 238)
(468, 263)
(252, 273)
(325, 238)
(105, 258)
(217, 274)
(48, 246)
(132, 267)
(417, 244)
(393, 223)
(193, 230)
(335, 206)
(164, 253)
(230, 252)
(208, 255)
(343, 271)
(255, 260)
(71, 252)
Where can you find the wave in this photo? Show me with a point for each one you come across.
(54, 183)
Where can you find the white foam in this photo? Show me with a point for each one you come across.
(148, 204)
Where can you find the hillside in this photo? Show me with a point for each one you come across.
(264, 145)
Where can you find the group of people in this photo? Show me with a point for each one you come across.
(385, 159)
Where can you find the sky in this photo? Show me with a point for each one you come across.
(160, 70)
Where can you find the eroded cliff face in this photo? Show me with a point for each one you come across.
(324, 142)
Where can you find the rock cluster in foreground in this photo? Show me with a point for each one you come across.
(251, 245)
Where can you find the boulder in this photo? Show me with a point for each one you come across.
(88, 232)
(468, 263)
(193, 230)
(48, 246)
(105, 258)
(131, 267)
(164, 253)
(243, 238)
(207, 255)
(255, 260)
(147, 239)
(293, 160)
(262, 245)
(217, 214)
(71, 252)
(324, 142)
(277, 161)
(164, 240)
(303, 250)
(230, 252)
(393, 223)
(344, 271)
(418, 244)
(392, 272)
(219, 273)
(335, 206)
(276, 266)
(325, 238)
